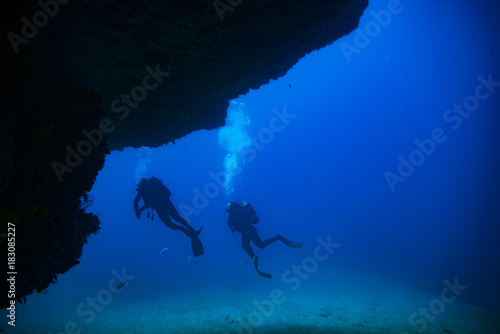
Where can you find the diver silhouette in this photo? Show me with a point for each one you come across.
(157, 197)
(242, 218)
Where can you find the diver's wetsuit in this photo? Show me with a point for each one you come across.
(249, 233)
(165, 211)
(242, 218)
(157, 197)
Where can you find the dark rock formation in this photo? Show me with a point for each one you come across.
(42, 112)
(107, 45)
(91, 66)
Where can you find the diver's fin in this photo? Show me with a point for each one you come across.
(197, 233)
(293, 244)
(263, 274)
(196, 245)
(256, 263)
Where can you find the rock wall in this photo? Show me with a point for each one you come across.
(82, 77)
(42, 112)
(212, 52)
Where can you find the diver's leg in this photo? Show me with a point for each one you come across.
(166, 220)
(170, 208)
(254, 236)
(245, 243)
(289, 243)
(246, 236)
(188, 229)
(196, 244)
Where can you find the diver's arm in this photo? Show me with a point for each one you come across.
(230, 222)
(136, 205)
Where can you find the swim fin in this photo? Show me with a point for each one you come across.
(289, 243)
(196, 244)
(256, 263)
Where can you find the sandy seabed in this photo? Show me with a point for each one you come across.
(359, 305)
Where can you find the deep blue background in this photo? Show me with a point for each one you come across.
(324, 173)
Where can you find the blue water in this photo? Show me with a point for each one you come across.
(321, 170)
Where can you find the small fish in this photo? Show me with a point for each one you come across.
(163, 250)
(120, 286)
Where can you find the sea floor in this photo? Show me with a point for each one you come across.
(360, 304)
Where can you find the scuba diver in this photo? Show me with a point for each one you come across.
(242, 218)
(157, 197)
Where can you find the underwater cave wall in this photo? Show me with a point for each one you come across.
(42, 111)
(212, 51)
(141, 72)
